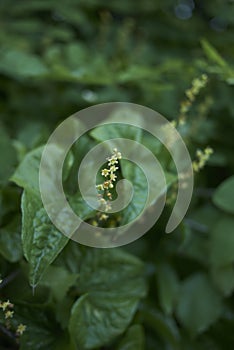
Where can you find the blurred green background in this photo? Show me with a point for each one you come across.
(59, 57)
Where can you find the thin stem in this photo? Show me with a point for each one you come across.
(9, 278)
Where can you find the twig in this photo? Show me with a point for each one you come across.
(9, 278)
(8, 333)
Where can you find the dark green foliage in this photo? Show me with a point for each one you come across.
(167, 292)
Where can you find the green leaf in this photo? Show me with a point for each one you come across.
(71, 257)
(224, 195)
(113, 266)
(117, 130)
(42, 242)
(213, 54)
(129, 170)
(223, 277)
(27, 173)
(96, 321)
(10, 241)
(168, 287)
(205, 217)
(33, 134)
(67, 166)
(79, 150)
(30, 204)
(164, 326)
(222, 242)
(80, 207)
(14, 62)
(137, 178)
(199, 304)
(59, 280)
(134, 339)
(8, 157)
(9, 203)
(196, 247)
(112, 284)
(42, 332)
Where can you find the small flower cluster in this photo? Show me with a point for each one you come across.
(202, 158)
(197, 85)
(105, 196)
(7, 308)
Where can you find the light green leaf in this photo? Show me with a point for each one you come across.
(224, 195)
(199, 304)
(134, 339)
(112, 283)
(27, 173)
(32, 134)
(14, 62)
(222, 242)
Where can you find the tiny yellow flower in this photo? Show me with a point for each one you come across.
(5, 305)
(117, 154)
(202, 158)
(195, 167)
(113, 177)
(104, 217)
(94, 223)
(21, 329)
(105, 172)
(190, 95)
(199, 153)
(112, 161)
(100, 187)
(9, 314)
(113, 168)
(208, 150)
(102, 201)
(106, 184)
(109, 195)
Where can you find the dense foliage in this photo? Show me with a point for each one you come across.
(162, 291)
